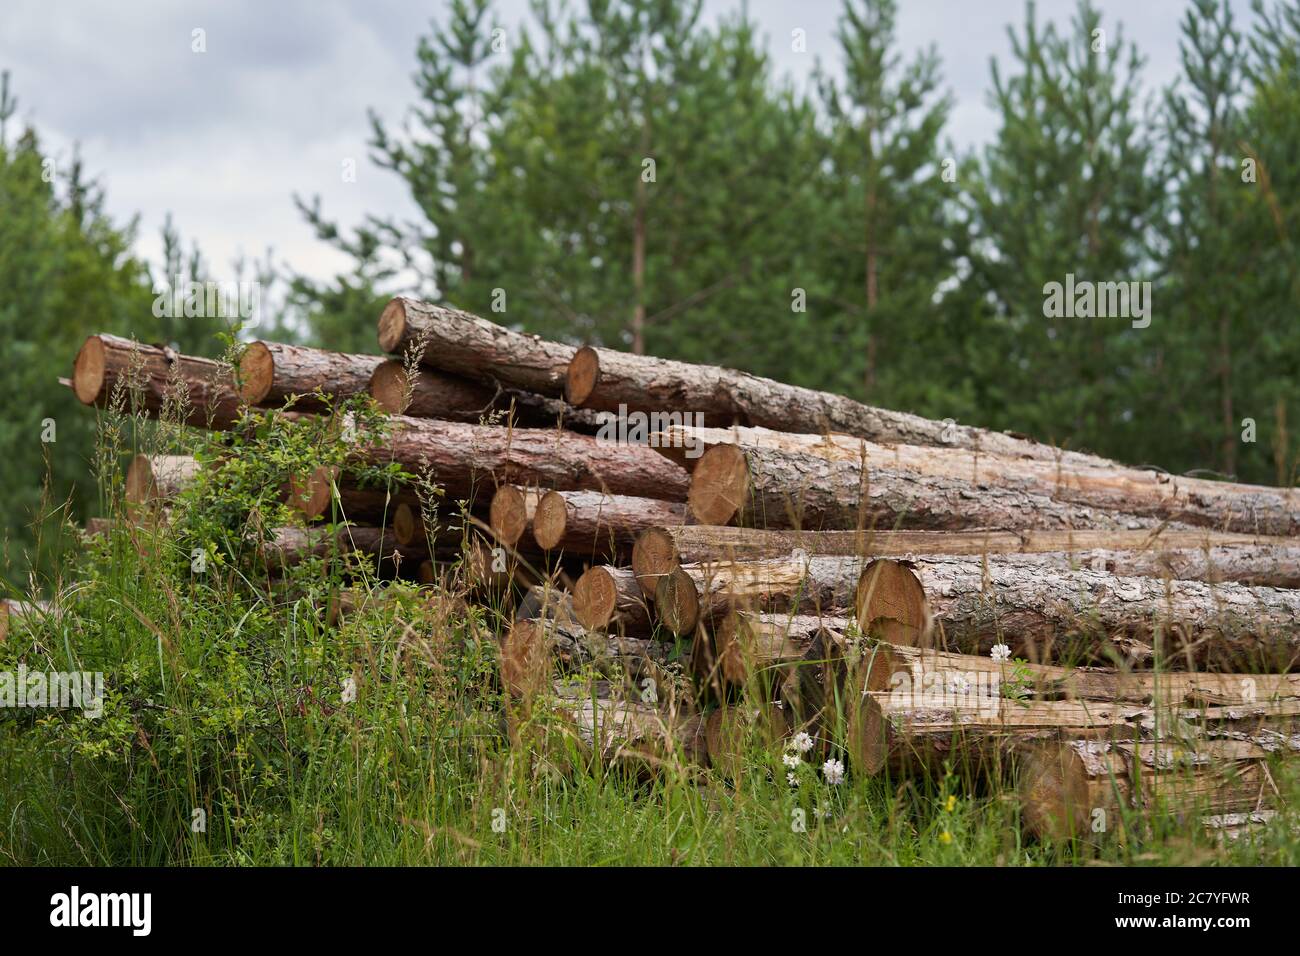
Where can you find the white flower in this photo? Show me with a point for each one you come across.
(802, 742)
(349, 690)
(792, 779)
(833, 771)
(959, 684)
(824, 812)
(1000, 652)
(790, 760)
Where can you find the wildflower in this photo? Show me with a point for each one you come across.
(1000, 652)
(792, 779)
(945, 837)
(791, 760)
(349, 690)
(802, 742)
(951, 805)
(833, 771)
(959, 684)
(824, 811)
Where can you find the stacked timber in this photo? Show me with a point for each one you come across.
(703, 564)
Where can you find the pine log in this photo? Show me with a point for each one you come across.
(607, 597)
(733, 732)
(609, 380)
(1228, 506)
(292, 546)
(117, 372)
(674, 544)
(593, 524)
(12, 611)
(470, 460)
(532, 648)
(771, 488)
(748, 644)
(510, 517)
(1072, 788)
(152, 480)
(441, 395)
(465, 345)
(271, 373)
(1087, 616)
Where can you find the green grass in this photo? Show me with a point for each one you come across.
(227, 697)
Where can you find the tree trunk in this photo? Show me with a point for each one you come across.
(606, 379)
(463, 344)
(595, 525)
(1250, 559)
(748, 644)
(1128, 493)
(1088, 615)
(441, 395)
(158, 382)
(271, 372)
(468, 461)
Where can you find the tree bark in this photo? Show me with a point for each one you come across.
(270, 373)
(1227, 506)
(463, 344)
(292, 546)
(468, 461)
(606, 379)
(1086, 615)
(442, 395)
(113, 371)
(747, 644)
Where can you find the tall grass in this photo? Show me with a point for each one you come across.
(241, 726)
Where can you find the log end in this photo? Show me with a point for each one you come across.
(525, 659)
(388, 386)
(582, 375)
(654, 554)
(408, 527)
(88, 371)
(719, 485)
(595, 598)
(508, 515)
(311, 496)
(677, 602)
(867, 745)
(256, 373)
(550, 520)
(392, 325)
(731, 643)
(1053, 791)
(141, 488)
(891, 602)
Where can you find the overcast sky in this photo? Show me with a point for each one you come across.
(224, 139)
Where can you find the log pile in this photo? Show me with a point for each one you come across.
(732, 564)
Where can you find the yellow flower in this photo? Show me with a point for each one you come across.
(945, 837)
(951, 804)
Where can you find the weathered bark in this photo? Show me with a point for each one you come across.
(154, 479)
(469, 461)
(607, 379)
(463, 344)
(270, 373)
(607, 597)
(1228, 506)
(748, 644)
(923, 671)
(1085, 615)
(772, 488)
(532, 649)
(1196, 554)
(593, 524)
(442, 395)
(1076, 787)
(154, 381)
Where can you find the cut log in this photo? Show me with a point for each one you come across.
(749, 644)
(152, 480)
(470, 460)
(510, 517)
(465, 345)
(606, 379)
(533, 647)
(292, 546)
(12, 612)
(918, 672)
(607, 597)
(1073, 788)
(673, 544)
(778, 489)
(1228, 506)
(574, 731)
(154, 381)
(441, 395)
(270, 373)
(732, 733)
(596, 525)
(1087, 616)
